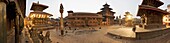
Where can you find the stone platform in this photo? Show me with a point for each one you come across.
(139, 34)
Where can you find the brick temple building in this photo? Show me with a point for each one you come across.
(12, 14)
(83, 19)
(38, 19)
(108, 15)
(151, 15)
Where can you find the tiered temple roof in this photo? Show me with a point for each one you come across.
(106, 6)
(38, 11)
(38, 7)
(154, 3)
(151, 5)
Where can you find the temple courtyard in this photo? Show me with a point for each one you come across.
(96, 35)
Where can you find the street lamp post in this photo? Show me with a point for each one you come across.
(61, 19)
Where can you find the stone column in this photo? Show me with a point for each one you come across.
(3, 31)
(61, 19)
(17, 29)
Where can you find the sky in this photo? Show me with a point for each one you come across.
(93, 6)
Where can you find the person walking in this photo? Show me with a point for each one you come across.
(134, 28)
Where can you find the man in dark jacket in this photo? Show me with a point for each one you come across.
(134, 28)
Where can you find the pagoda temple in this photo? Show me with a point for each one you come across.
(151, 27)
(108, 15)
(38, 18)
(151, 15)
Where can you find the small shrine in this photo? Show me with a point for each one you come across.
(128, 19)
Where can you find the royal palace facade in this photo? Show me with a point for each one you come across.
(83, 19)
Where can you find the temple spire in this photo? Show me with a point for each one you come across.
(106, 5)
(106, 2)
